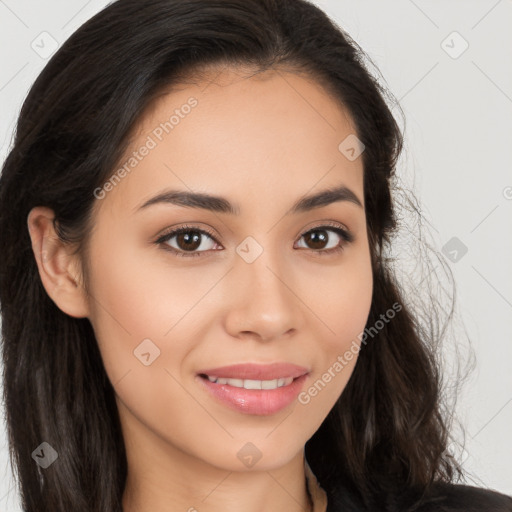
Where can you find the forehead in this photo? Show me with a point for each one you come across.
(270, 136)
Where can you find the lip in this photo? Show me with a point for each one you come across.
(255, 401)
(261, 402)
(256, 371)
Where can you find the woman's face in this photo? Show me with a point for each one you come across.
(262, 286)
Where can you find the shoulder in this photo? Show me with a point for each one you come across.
(442, 497)
(465, 498)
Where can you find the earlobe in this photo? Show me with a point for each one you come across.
(56, 264)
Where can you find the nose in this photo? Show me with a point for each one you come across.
(264, 304)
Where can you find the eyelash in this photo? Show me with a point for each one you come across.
(344, 234)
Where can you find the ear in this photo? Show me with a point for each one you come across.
(58, 268)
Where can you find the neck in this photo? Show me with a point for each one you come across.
(163, 478)
(215, 489)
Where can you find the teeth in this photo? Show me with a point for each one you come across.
(248, 384)
(252, 384)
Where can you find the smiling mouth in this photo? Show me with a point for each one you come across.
(254, 396)
(250, 383)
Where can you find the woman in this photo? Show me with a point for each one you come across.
(197, 311)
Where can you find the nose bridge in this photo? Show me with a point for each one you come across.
(263, 302)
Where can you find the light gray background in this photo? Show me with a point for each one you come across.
(458, 159)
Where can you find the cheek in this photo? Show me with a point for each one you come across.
(137, 290)
(342, 299)
(147, 316)
(134, 303)
(138, 314)
(343, 302)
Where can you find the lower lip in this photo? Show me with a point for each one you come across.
(255, 401)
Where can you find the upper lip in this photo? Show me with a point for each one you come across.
(256, 371)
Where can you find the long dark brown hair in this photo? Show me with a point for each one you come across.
(388, 432)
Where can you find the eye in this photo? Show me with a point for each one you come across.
(188, 239)
(318, 237)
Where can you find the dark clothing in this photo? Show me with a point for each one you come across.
(446, 498)
(442, 498)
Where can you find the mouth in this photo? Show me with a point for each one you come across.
(254, 389)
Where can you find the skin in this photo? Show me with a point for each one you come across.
(262, 142)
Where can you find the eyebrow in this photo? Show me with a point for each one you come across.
(222, 205)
